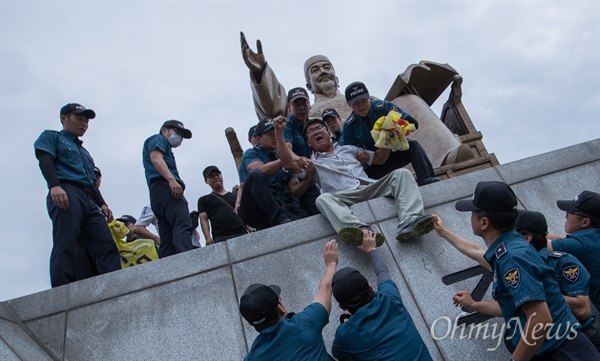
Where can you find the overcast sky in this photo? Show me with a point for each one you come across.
(530, 69)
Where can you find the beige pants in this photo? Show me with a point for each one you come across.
(398, 184)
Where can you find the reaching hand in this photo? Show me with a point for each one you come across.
(363, 156)
(368, 242)
(463, 299)
(254, 61)
(438, 225)
(310, 170)
(331, 253)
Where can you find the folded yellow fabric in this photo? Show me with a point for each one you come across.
(134, 252)
(390, 131)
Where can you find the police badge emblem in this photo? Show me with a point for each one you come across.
(513, 277)
(571, 273)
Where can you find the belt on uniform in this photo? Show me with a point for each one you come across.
(87, 189)
(162, 180)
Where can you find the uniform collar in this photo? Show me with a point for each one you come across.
(490, 254)
(295, 122)
(265, 151)
(71, 136)
(544, 253)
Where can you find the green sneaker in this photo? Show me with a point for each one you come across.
(417, 228)
(353, 236)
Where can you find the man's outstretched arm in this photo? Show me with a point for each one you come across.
(331, 260)
(468, 248)
(369, 246)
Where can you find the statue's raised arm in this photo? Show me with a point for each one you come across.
(254, 61)
(270, 98)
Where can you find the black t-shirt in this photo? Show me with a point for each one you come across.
(223, 222)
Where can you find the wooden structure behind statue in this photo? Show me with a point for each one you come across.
(418, 88)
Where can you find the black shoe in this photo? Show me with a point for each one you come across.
(429, 180)
(417, 228)
(354, 236)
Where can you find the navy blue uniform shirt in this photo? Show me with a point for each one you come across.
(357, 130)
(72, 161)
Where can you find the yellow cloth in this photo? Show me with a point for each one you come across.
(390, 131)
(134, 252)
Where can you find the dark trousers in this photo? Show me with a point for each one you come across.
(86, 267)
(173, 215)
(593, 335)
(303, 206)
(79, 224)
(578, 349)
(415, 155)
(258, 208)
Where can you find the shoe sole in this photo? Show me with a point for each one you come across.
(419, 229)
(353, 236)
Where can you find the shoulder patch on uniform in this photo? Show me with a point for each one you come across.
(557, 254)
(500, 250)
(350, 119)
(378, 105)
(571, 272)
(513, 277)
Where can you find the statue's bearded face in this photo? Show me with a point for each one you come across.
(322, 79)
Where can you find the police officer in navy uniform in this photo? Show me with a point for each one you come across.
(357, 132)
(524, 285)
(299, 108)
(166, 188)
(331, 117)
(265, 180)
(582, 224)
(572, 277)
(73, 199)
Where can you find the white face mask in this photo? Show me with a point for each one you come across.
(175, 139)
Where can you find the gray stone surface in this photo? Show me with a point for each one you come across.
(6, 354)
(278, 238)
(547, 163)
(53, 327)
(191, 319)
(456, 188)
(381, 208)
(146, 275)
(6, 313)
(186, 306)
(20, 342)
(40, 304)
(541, 194)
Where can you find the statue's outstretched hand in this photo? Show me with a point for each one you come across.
(254, 61)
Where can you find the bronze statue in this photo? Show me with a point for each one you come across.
(442, 147)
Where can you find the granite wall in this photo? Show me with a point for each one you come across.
(185, 307)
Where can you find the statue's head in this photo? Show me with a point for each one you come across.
(320, 76)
